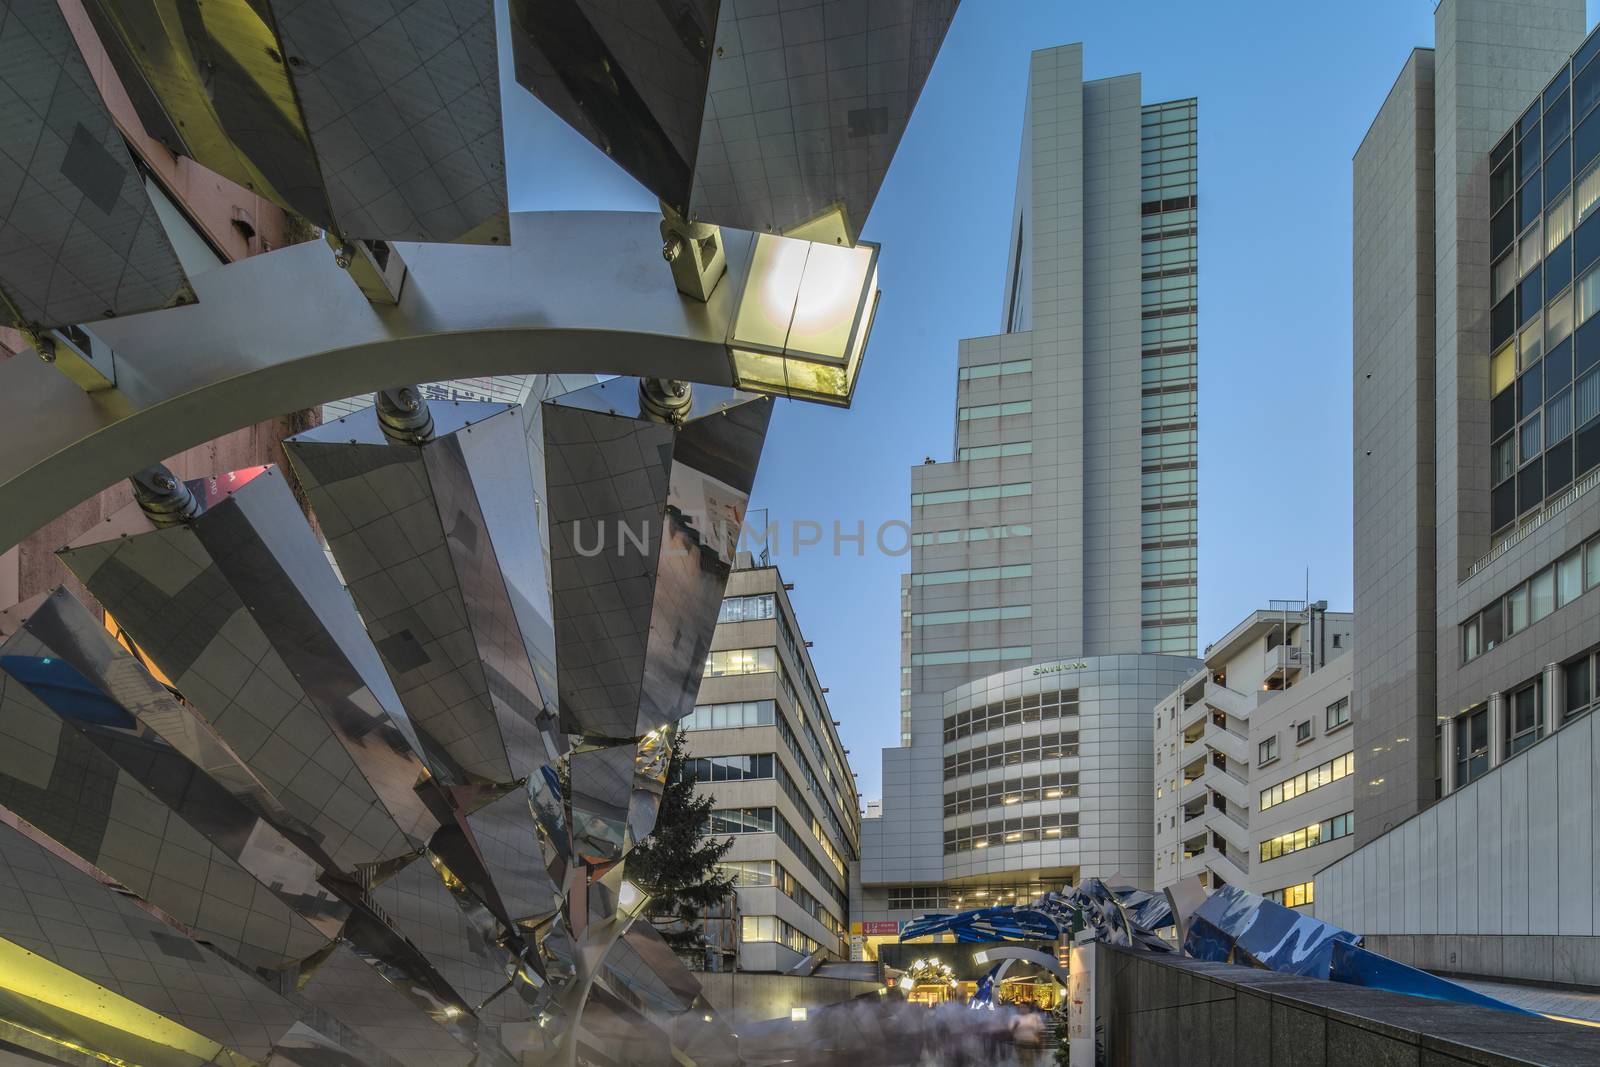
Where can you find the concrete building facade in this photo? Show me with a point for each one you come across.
(1432, 546)
(765, 748)
(1472, 799)
(1232, 735)
(1059, 543)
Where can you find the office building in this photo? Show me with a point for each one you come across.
(767, 751)
(1051, 599)
(1237, 739)
(1477, 456)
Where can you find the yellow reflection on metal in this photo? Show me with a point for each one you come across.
(199, 59)
(122, 638)
(36, 978)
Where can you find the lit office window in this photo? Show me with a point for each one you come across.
(741, 661)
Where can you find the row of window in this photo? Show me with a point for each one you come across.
(771, 928)
(748, 608)
(1318, 833)
(994, 370)
(976, 533)
(749, 874)
(792, 743)
(1304, 782)
(972, 493)
(973, 574)
(943, 618)
(917, 898)
(1554, 587)
(1035, 707)
(1524, 717)
(993, 411)
(766, 820)
(1015, 448)
(1050, 785)
(970, 655)
(730, 716)
(1046, 827)
(752, 767)
(1011, 753)
(1292, 896)
(731, 661)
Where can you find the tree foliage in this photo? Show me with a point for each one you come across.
(677, 863)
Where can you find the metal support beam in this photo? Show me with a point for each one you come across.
(575, 292)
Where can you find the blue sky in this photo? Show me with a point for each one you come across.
(1286, 93)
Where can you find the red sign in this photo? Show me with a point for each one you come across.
(217, 488)
(880, 927)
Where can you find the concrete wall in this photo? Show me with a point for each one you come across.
(742, 998)
(1510, 855)
(1153, 1011)
(1393, 446)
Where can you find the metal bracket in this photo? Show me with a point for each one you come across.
(86, 360)
(695, 251)
(375, 265)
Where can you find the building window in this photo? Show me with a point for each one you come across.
(1338, 713)
(1525, 721)
(1472, 745)
(1302, 732)
(1580, 685)
(740, 821)
(730, 768)
(1304, 782)
(741, 661)
(1338, 640)
(1267, 752)
(1015, 751)
(1553, 588)
(1293, 896)
(1045, 786)
(1032, 707)
(729, 716)
(1318, 833)
(747, 608)
(916, 898)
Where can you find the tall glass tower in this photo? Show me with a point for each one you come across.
(1053, 580)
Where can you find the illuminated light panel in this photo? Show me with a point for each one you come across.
(803, 318)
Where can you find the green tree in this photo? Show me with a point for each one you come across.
(677, 863)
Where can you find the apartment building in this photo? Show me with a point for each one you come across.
(765, 748)
(1232, 730)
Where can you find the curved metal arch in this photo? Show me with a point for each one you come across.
(575, 292)
(1016, 954)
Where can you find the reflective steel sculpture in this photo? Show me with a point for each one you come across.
(371, 801)
(399, 795)
(732, 111)
(1229, 926)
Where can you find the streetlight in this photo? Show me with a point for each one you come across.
(803, 318)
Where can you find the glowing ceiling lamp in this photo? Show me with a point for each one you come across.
(803, 318)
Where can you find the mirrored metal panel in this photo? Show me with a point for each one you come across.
(439, 544)
(644, 525)
(240, 610)
(735, 112)
(79, 239)
(379, 122)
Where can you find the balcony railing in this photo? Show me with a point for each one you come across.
(1542, 516)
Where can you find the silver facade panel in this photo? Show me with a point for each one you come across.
(790, 115)
(644, 523)
(379, 122)
(220, 607)
(79, 239)
(402, 105)
(466, 641)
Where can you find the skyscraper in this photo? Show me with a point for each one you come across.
(1052, 587)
